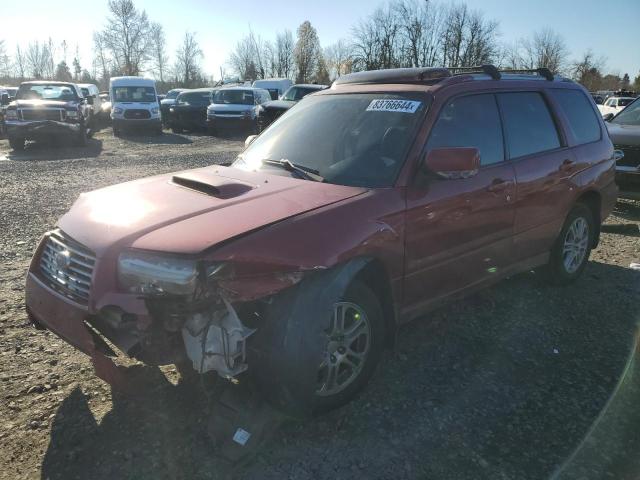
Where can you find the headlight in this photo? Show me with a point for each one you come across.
(117, 110)
(72, 114)
(171, 110)
(155, 110)
(11, 114)
(149, 273)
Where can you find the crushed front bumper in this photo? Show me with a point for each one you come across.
(40, 128)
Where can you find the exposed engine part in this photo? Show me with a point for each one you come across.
(216, 340)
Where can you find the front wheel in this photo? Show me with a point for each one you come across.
(571, 251)
(353, 349)
(81, 137)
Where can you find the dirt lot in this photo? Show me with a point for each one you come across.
(503, 385)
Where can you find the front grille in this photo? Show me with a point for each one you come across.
(631, 155)
(67, 266)
(137, 114)
(41, 114)
(224, 112)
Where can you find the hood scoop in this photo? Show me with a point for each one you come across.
(219, 187)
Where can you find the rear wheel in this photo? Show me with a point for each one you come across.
(16, 143)
(571, 251)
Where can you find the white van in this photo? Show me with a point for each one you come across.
(275, 86)
(134, 103)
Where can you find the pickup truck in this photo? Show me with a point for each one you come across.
(44, 109)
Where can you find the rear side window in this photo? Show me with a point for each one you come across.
(470, 121)
(583, 122)
(527, 123)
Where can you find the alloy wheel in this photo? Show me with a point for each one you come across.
(576, 242)
(349, 341)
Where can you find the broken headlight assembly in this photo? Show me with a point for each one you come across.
(150, 273)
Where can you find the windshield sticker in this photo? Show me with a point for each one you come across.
(383, 105)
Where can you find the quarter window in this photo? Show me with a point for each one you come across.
(528, 124)
(470, 121)
(583, 122)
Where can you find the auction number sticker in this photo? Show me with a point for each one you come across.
(385, 105)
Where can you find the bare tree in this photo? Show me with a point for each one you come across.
(284, 52)
(250, 57)
(5, 61)
(127, 36)
(37, 59)
(159, 57)
(339, 59)
(587, 70)
(187, 65)
(307, 52)
(468, 38)
(101, 58)
(545, 48)
(20, 63)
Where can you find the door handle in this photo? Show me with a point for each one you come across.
(498, 185)
(566, 165)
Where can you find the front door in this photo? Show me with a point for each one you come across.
(459, 231)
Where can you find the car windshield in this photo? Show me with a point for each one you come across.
(237, 97)
(630, 115)
(171, 94)
(134, 94)
(194, 98)
(297, 93)
(351, 139)
(46, 92)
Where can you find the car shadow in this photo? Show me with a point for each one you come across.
(165, 139)
(626, 229)
(56, 149)
(503, 384)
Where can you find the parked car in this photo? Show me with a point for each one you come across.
(268, 112)
(12, 91)
(614, 105)
(275, 86)
(4, 101)
(189, 112)
(105, 105)
(44, 109)
(134, 104)
(364, 207)
(167, 102)
(624, 130)
(235, 108)
(90, 91)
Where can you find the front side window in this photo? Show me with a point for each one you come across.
(348, 139)
(629, 116)
(470, 121)
(233, 97)
(65, 93)
(297, 93)
(134, 94)
(583, 122)
(528, 124)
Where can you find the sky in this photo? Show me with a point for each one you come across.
(609, 28)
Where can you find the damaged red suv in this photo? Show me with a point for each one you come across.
(363, 207)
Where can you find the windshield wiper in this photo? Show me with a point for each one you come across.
(304, 172)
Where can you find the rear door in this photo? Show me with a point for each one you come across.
(458, 232)
(543, 167)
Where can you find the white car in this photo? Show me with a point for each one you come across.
(134, 103)
(275, 86)
(614, 105)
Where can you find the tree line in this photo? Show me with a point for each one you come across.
(399, 33)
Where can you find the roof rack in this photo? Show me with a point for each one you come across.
(432, 75)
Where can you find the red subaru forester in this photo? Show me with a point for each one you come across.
(363, 207)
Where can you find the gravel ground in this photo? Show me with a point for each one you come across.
(502, 385)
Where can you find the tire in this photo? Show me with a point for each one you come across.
(177, 130)
(158, 131)
(561, 270)
(360, 295)
(81, 137)
(16, 143)
(116, 132)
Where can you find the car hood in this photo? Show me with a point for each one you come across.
(168, 101)
(43, 104)
(624, 134)
(278, 105)
(188, 212)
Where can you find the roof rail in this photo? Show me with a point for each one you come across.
(396, 75)
(542, 71)
(490, 70)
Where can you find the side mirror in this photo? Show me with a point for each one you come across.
(249, 139)
(4, 99)
(453, 162)
(607, 117)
